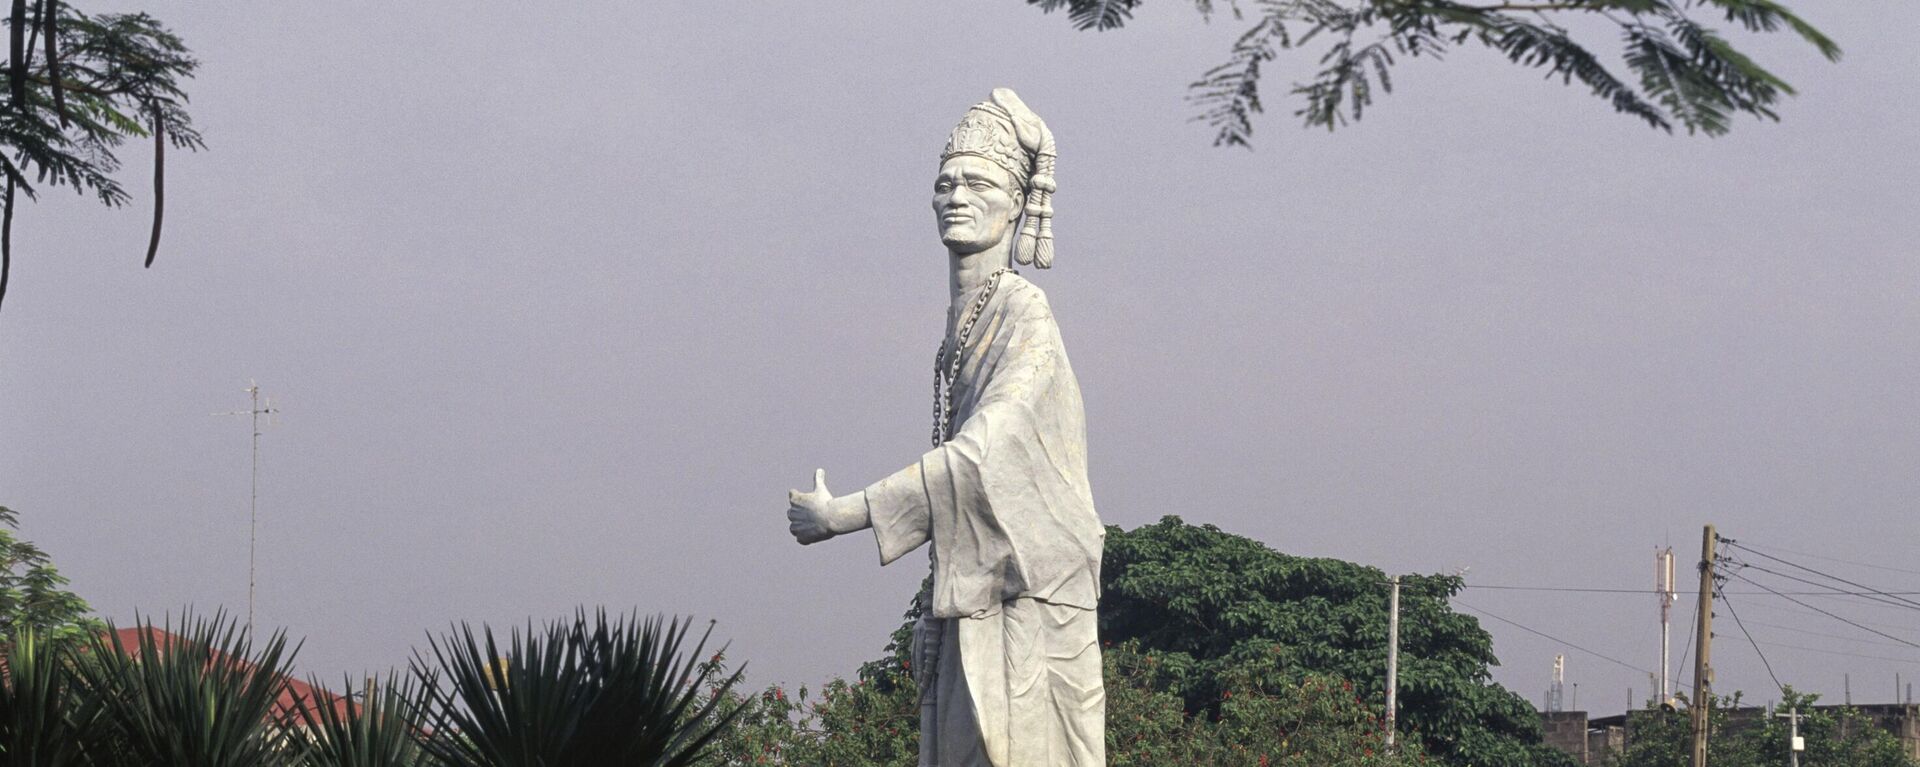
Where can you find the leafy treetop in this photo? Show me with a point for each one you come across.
(32, 597)
(1220, 610)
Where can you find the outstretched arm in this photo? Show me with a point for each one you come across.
(815, 515)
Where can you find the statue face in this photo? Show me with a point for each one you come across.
(975, 204)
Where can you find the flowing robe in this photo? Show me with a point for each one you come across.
(1016, 549)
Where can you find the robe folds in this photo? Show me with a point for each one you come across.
(1015, 548)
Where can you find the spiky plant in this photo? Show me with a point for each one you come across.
(592, 691)
(370, 727)
(42, 722)
(194, 695)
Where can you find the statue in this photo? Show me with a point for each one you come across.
(1007, 653)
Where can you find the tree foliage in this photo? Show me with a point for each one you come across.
(1221, 610)
(33, 596)
(1219, 650)
(1682, 71)
(77, 87)
(1314, 721)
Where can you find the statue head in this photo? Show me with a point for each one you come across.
(997, 165)
(976, 203)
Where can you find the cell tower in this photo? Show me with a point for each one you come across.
(259, 408)
(1556, 692)
(1663, 586)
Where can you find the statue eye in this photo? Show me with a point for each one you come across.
(980, 186)
(943, 186)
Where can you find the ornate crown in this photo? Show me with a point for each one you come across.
(987, 131)
(1008, 134)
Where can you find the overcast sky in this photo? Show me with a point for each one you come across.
(558, 304)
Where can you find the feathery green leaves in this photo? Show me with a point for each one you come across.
(33, 597)
(1092, 14)
(1688, 74)
(100, 81)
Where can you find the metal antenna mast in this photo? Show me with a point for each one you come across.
(253, 502)
(1663, 583)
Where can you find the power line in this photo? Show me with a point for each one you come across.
(1545, 635)
(1837, 652)
(1750, 547)
(1831, 590)
(1756, 645)
(1824, 612)
(1790, 610)
(1819, 573)
(1825, 635)
(1692, 626)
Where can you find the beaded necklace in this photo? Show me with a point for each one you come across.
(945, 373)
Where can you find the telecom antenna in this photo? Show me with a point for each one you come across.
(261, 406)
(1557, 691)
(1663, 584)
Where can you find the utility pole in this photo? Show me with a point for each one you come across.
(1795, 745)
(1703, 647)
(1393, 656)
(253, 503)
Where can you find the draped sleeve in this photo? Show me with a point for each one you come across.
(1004, 502)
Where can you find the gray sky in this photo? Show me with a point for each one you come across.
(558, 305)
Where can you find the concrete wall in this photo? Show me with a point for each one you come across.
(1567, 731)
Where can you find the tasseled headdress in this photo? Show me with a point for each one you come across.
(1005, 132)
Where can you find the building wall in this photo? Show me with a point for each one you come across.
(1604, 741)
(1567, 731)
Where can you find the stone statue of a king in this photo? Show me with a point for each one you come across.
(1007, 653)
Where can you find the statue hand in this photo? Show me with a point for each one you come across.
(807, 512)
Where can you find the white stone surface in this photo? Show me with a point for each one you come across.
(1008, 656)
